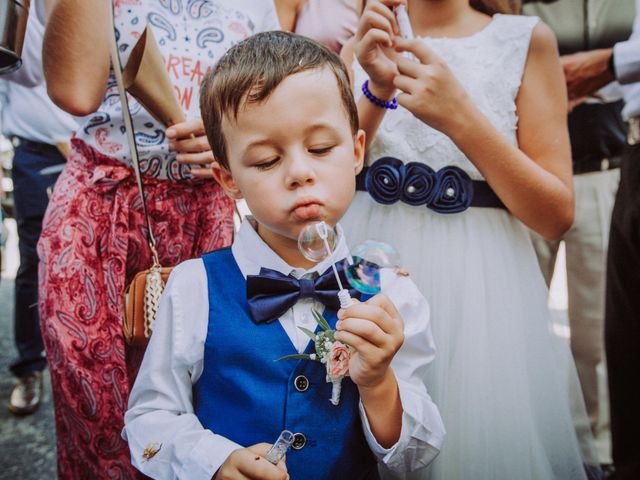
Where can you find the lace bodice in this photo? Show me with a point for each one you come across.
(489, 64)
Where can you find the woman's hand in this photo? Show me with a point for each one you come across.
(429, 89)
(374, 45)
(189, 141)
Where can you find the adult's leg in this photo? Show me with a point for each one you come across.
(586, 247)
(31, 182)
(622, 320)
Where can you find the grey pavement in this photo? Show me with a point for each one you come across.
(27, 444)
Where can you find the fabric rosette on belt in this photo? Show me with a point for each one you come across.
(449, 190)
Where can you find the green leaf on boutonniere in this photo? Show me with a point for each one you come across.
(308, 333)
(321, 321)
(301, 356)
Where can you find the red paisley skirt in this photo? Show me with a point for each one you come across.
(93, 242)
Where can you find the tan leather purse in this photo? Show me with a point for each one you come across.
(142, 295)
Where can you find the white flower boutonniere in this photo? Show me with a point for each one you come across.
(333, 354)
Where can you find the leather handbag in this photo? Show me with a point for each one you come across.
(142, 295)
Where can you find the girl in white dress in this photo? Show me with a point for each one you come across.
(485, 110)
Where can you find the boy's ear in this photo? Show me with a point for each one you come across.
(225, 179)
(358, 150)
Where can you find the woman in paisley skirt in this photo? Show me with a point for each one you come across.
(94, 234)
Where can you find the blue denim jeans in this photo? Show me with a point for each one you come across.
(31, 179)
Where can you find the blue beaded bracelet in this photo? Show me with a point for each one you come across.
(392, 105)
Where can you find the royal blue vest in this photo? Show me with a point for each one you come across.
(248, 397)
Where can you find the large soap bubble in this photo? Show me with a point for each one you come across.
(369, 258)
(311, 241)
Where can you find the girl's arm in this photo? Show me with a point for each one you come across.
(373, 47)
(76, 54)
(533, 180)
(288, 13)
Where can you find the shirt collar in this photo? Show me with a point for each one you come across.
(252, 253)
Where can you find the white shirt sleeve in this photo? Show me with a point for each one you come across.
(626, 55)
(422, 432)
(30, 72)
(161, 416)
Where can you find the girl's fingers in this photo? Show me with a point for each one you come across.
(375, 37)
(366, 330)
(406, 84)
(416, 46)
(375, 20)
(385, 10)
(409, 67)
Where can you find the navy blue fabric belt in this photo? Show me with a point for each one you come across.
(449, 190)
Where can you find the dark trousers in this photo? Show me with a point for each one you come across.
(30, 184)
(622, 320)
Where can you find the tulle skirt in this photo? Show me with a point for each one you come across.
(500, 377)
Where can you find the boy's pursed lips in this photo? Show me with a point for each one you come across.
(306, 208)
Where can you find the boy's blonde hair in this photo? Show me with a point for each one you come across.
(251, 70)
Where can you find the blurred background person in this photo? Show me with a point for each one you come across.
(40, 133)
(94, 233)
(330, 22)
(598, 136)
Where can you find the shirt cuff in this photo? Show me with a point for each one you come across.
(421, 435)
(208, 455)
(626, 58)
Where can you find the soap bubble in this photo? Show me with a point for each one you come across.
(311, 243)
(369, 258)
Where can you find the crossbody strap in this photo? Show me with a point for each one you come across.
(128, 123)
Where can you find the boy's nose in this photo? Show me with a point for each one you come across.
(300, 172)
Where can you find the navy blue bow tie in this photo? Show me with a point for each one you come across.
(270, 294)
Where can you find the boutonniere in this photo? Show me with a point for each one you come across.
(333, 354)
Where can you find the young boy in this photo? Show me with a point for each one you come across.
(280, 114)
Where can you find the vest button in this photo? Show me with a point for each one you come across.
(299, 441)
(301, 383)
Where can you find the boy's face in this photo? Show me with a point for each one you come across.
(293, 157)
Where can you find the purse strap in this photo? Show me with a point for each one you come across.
(128, 123)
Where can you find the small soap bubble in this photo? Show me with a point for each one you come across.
(369, 258)
(311, 241)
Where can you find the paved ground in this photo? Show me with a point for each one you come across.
(27, 444)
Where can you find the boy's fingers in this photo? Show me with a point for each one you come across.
(385, 303)
(366, 330)
(352, 340)
(372, 313)
(416, 46)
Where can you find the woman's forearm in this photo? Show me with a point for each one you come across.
(76, 54)
(537, 197)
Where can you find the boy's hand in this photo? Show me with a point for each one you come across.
(189, 140)
(376, 332)
(374, 41)
(249, 463)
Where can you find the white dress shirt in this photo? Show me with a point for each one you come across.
(626, 57)
(160, 405)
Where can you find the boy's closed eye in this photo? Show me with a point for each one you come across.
(321, 150)
(266, 164)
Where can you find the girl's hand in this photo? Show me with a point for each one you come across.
(249, 463)
(375, 330)
(190, 142)
(429, 89)
(374, 41)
